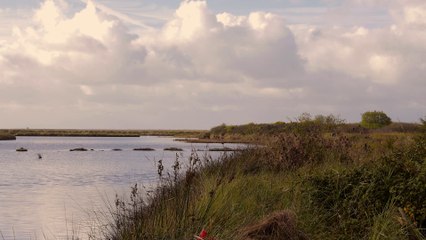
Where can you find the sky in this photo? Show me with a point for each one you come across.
(195, 64)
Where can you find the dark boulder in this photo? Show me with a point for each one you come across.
(173, 149)
(143, 149)
(79, 150)
(21, 149)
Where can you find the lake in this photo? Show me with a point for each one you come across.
(56, 197)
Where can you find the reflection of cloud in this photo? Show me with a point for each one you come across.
(218, 65)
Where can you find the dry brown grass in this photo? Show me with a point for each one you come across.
(280, 225)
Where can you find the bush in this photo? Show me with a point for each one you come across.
(375, 119)
(329, 119)
(350, 199)
(293, 150)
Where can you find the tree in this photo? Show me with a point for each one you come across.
(375, 119)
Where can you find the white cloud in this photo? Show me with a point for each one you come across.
(415, 14)
(384, 68)
(229, 20)
(225, 67)
(86, 90)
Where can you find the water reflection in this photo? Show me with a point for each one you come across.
(52, 196)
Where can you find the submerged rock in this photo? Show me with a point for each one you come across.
(173, 149)
(143, 149)
(21, 149)
(78, 150)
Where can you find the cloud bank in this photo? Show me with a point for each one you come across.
(199, 69)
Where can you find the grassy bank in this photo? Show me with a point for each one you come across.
(101, 133)
(307, 184)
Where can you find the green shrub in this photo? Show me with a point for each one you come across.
(350, 199)
(375, 119)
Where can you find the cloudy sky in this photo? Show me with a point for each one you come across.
(194, 64)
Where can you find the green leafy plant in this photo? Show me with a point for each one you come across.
(351, 198)
(375, 119)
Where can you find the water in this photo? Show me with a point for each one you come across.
(55, 197)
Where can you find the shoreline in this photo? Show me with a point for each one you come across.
(7, 138)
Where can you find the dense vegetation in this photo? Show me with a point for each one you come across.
(308, 180)
(258, 132)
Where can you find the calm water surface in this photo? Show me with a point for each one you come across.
(55, 197)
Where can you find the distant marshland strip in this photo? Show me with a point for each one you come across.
(11, 133)
(6, 137)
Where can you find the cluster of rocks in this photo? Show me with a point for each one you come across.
(174, 149)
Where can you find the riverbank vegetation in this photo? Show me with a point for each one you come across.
(6, 136)
(253, 132)
(308, 180)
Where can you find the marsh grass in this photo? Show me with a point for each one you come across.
(338, 185)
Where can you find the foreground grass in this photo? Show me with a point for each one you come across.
(305, 185)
